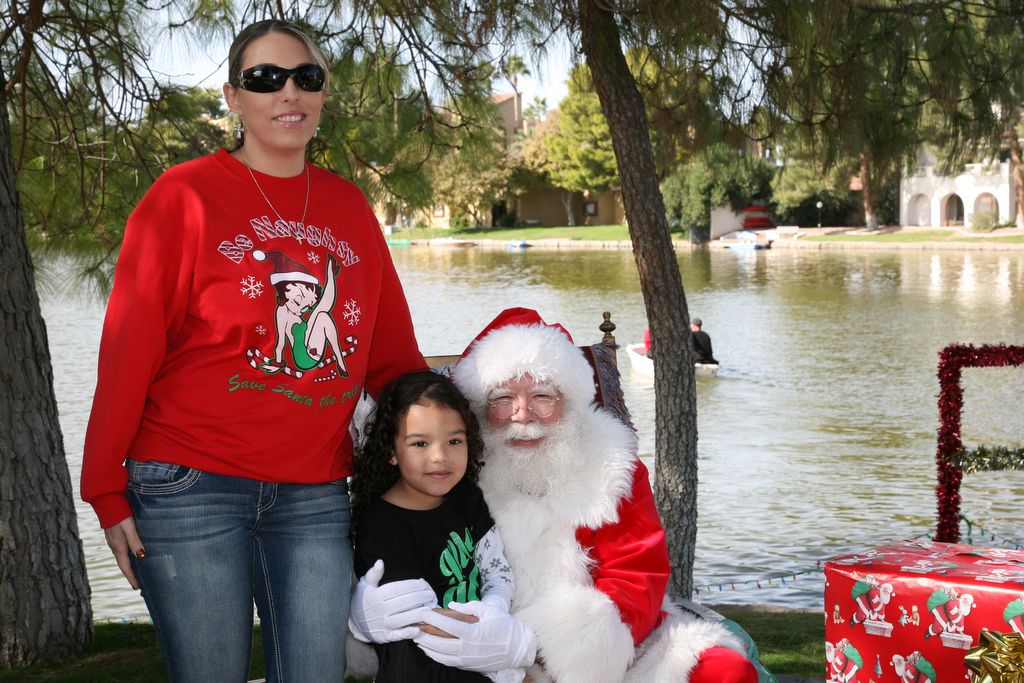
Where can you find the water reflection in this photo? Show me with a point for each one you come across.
(816, 438)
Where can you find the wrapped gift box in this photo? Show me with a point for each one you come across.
(908, 612)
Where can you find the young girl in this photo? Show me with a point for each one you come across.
(417, 508)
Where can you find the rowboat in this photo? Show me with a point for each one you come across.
(643, 365)
(745, 240)
(450, 242)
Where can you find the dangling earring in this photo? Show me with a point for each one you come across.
(239, 130)
(316, 132)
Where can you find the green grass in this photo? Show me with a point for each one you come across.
(1006, 239)
(912, 236)
(790, 643)
(119, 653)
(901, 236)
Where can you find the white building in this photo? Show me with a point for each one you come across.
(930, 199)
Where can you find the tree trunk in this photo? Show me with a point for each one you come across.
(1018, 178)
(566, 197)
(869, 201)
(44, 593)
(674, 391)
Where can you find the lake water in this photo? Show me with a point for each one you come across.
(816, 438)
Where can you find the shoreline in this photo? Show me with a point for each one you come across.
(788, 243)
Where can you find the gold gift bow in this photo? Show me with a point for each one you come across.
(998, 658)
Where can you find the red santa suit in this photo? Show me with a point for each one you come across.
(588, 550)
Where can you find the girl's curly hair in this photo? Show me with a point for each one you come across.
(373, 473)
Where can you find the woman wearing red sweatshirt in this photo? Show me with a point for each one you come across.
(254, 299)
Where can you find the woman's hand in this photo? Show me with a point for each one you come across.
(433, 630)
(124, 541)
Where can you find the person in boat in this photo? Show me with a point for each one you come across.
(648, 343)
(218, 485)
(574, 506)
(701, 344)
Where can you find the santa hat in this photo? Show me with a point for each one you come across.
(516, 343)
(285, 269)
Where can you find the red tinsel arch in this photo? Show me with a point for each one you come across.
(952, 360)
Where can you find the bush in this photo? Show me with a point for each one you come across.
(984, 221)
(508, 220)
(460, 222)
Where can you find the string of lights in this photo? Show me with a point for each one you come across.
(975, 534)
(987, 537)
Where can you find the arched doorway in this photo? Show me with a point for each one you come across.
(986, 212)
(953, 210)
(918, 211)
(987, 202)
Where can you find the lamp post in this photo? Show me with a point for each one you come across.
(819, 205)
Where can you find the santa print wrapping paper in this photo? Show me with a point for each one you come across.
(909, 611)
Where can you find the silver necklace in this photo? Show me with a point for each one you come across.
(252, 175)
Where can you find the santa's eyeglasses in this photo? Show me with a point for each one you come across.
(541, 405)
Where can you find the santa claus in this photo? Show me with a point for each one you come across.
(844, 661)
(574, 506)
(870, 599)
(948, 609)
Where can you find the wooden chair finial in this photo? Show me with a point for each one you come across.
(608, 327)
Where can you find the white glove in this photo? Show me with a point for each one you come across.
(498, 641)
(385, 614)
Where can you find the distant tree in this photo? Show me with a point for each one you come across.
(803, 181)
(719, 176)
(377, 129)
(512, 67)
(472, 178)
(536, 110)
(979, 117)
(579, 151)
(687, 104)
(858, 91)
(62, 217)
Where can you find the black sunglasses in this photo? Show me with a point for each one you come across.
(271, 78)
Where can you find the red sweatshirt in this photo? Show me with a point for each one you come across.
(227, 345)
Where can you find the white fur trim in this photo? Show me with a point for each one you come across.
(580, 632)
(671, 652)
(294, 276)
(513, 351)
(580, 635)
(360, 658)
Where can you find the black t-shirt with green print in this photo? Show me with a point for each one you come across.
(435, 545)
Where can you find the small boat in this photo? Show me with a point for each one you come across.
(514, 245)
(450, 242)
(745, 240)
(643, 365)
(705, 369)
(638, 359)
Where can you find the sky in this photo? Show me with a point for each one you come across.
(206, 65)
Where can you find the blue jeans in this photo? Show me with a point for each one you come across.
(216, 543)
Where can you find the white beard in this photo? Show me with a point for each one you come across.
(533, 471)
